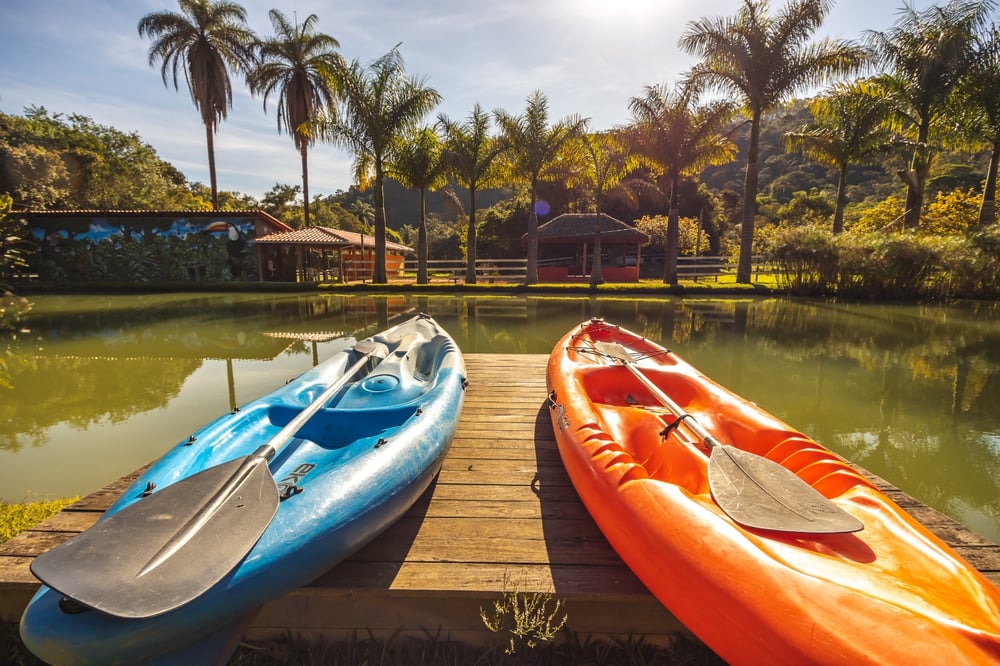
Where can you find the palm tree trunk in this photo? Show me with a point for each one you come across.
(987, 210)
(838, 213)
(422, 239)
(531, 271)
(743, 269)
(918, 176)
(210, 140)
(914, 202)
(470, 243)
(380, 276)
(305, 184)
(673, 233)
(597, 272)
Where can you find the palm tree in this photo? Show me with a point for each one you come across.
(470, 154)
(602, 160)
(534, 147)
(206, 40)
(977, 109)
(417, 164)
(681, 139)
(299, 64)
(761, 60)
(365, 212)
(850, 129)
(380, 105)
(925, 54)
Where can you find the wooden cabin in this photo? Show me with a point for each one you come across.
(566, 248)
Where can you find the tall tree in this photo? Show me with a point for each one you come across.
(977, 109)
(849, 129)
(681, 138)
(471, 153)
(603, 161)
(534, 146)
(299, 64)
(417, 164)
(380, 105)
(205, 40)
(925, 54)
(762, 59)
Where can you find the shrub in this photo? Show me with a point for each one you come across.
(806, 257)
(970, 265)
(13, 248)
(886, 265)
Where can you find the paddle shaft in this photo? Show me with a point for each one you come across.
(709, 440)
(268, 449)
(261, 456)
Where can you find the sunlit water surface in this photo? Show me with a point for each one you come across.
(96, 386)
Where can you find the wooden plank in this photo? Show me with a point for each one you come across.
(501, 513)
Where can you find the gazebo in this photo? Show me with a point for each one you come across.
(566, 248)
(323, 253)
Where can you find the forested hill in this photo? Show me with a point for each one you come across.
(783, 173)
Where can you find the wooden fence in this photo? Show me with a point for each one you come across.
(514, 270)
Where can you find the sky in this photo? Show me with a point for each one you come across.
(588, 57)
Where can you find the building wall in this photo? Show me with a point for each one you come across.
(140, 248)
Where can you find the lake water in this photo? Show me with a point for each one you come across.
(100, 385)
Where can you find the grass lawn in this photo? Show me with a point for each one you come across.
(16, 518)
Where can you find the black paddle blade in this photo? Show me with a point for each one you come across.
(759, 493)
(165, 550)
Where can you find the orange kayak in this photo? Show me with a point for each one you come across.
(676, 470)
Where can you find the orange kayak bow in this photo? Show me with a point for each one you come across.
(809, 563)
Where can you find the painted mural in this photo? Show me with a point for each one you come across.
(137, 249)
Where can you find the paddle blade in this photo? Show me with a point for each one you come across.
(760, 493)
(103, 567)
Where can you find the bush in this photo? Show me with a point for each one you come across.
(806, 257)
(886, 265)
(970, 265)
(13, 241)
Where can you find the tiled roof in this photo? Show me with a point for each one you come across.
(328, 236)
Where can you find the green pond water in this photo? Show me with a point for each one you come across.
(99, 385)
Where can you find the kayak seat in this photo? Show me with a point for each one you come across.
(638, 429)
(615, 385)
(335, 428)
(424, 357)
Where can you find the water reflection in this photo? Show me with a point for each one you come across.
(104, 384)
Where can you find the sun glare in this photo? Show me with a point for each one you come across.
(618, 9)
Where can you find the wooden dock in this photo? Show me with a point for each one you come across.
(502, 515)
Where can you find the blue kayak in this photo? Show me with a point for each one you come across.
(255, 504)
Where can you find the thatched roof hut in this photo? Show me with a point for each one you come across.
(566, 244)
(580, 227)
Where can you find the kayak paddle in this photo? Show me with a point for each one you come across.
(753, 490)
(167, 549)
